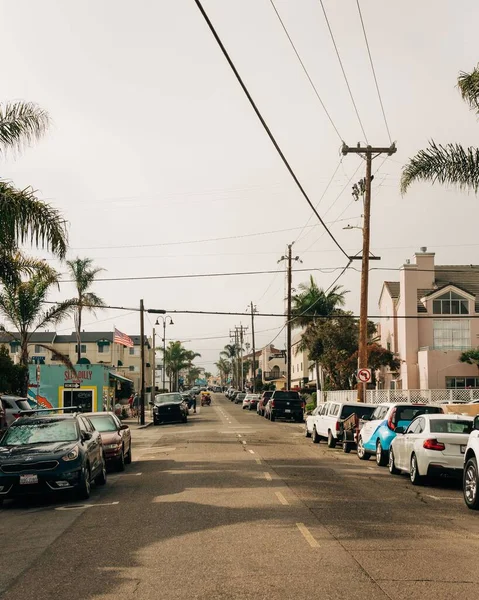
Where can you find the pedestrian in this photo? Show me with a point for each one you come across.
(130, 403)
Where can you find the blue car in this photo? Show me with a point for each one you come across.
(378, 431)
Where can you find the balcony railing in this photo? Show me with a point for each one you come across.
(269, 375)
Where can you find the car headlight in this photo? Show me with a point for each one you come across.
(112, 446)
(72, 455)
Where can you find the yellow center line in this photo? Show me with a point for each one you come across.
(307, 535)
(281, 498)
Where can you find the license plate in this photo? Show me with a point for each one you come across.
(287, 410)
(463, 449)
(28, 479)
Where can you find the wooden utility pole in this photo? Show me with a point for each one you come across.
(368, 153)
(153, 370)
(142, 367)
(253, 310)
(289, 258)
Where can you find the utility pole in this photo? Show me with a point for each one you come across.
(253, 310)
(368, 153)
(289, 258)
(142, 367)
(153, 371)
(234, 334)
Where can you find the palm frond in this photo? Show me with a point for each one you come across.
(64, 358)
(468, 84)
(21, 123)
(450, 164)
(25, 218)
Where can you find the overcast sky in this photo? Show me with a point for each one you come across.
(154, 146)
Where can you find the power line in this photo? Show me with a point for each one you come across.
(306, 71)
(374, 72)
(265, 126)
(342, 69)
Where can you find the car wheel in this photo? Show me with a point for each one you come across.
(331, 440)
(362, 454)
(128, 456)
(155, 421)
(315, 436)
(84, 487)
(271, 416)
(416, 479)
(392, 465)
(100, 479)
(471, 484)
(346, 447)
(307, 433)
(120, 461)
(381, 455)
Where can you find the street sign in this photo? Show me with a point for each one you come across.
(72, 385)
(364, 375)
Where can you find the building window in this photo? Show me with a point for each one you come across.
(132, 351)
(103, 347)
(131, 368)
(452, 334)
(450, 304)
(82, 348)
(39, 349)
(461, 383)
(14, 347)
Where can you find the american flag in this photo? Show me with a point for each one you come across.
(122, 338)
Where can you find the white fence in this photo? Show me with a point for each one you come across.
(420, 396)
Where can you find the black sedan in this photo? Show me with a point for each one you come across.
(41, 454)
(169, 408)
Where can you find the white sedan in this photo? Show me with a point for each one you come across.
(432, 444)
(250, 401)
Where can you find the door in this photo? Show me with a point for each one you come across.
(412, 433)
(92, 446)
(370, 428)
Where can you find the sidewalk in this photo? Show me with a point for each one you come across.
(134, 423)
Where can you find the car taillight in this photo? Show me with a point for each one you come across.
(433, 445)
(337, 425)
(391, 425)
(16, 416)
(272, 403)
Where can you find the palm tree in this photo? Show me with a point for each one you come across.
(450, 163)
(23, 306)
(21, 123)
(231, 353)
(84, 275)
(224, 368)
(311, 303)
(177, 358)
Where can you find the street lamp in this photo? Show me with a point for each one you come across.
(164, 319)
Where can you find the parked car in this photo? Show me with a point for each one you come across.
(250, 401)
(12, 406)
(239, 397)
(327, 424)
(349, 427)
(265, 396)
(169, 408)
(286, 405)
(115, 436)
(380, 429)
(233, 395)
(310, 419)
(430, 445)
(51, 453)
(471, 473)
(228, 392)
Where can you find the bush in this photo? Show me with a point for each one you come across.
(310, 406)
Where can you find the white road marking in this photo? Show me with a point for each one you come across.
(243, 442)
(130, 474)
(267, 476)
(251, 451)
(239, 435)
(82, 506)
(443, 497)
(307, 535)
(281, 498)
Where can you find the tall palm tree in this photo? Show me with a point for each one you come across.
(231, 353)
(23, 306)
(83, 274)
(21, 123)
(450, 163)
(224, 368)
(177, 358)
(311, 303)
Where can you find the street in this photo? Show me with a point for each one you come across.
(231, 505)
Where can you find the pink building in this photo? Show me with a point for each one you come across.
(439, 303)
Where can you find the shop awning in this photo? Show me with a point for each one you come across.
(120, 377)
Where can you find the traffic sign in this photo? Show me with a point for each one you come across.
(364, 375)
(72, 385)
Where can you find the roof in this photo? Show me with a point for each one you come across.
(136, 340)
(393, 287)
(41, 337)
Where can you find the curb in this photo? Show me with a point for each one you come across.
(145, 425)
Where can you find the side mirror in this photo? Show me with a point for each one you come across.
(399, 430)
(85, 436)
(476, 423)
(124, 427)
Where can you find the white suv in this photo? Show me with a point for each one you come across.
(326, 424)
(471, 475)
(12, 406)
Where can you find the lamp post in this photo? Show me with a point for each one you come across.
(164, 319)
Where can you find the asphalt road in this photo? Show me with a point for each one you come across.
(231, 506)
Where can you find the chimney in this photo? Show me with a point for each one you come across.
(425, 268)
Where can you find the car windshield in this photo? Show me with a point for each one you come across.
(165, 398)
(361, 410)
(41, 432)
(408, 413)
(450, 426)
(103, 423)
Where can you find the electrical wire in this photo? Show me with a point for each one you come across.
(265, 126)
(306, 71)
(342, 69)
(374, 71)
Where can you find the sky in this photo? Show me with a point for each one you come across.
(154, 151)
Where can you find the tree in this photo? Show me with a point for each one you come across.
(23, 306)
(21, 123)
(83, 274)
(378, 357)
(450, 163)
(224, 368)
(11, 376)
(231, 353)
(207, 375)
(471, 357)
(193, 375)
(177, 358)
